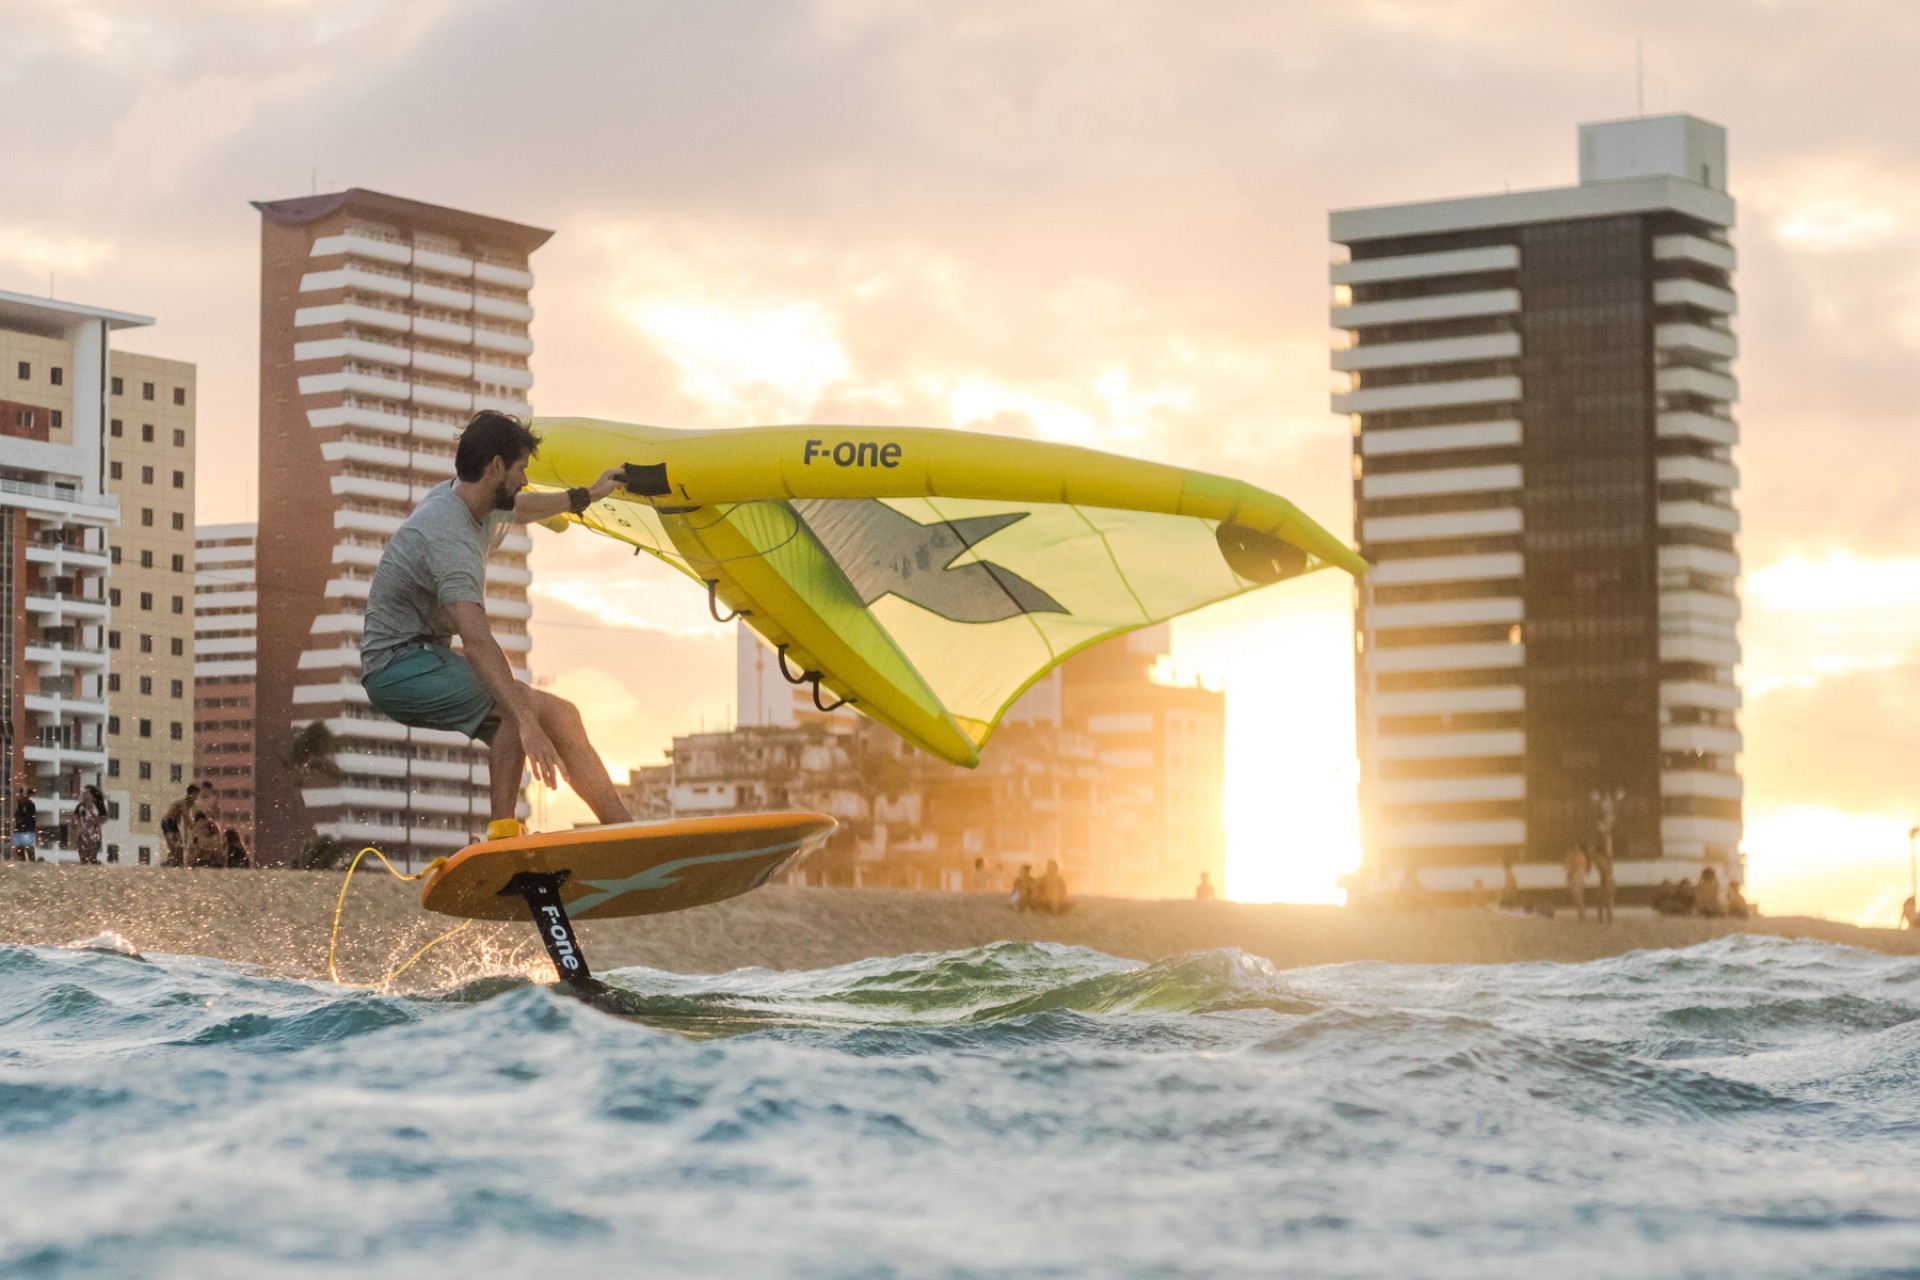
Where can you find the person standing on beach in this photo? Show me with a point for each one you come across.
(1577, 880)
(1603, 903)
(1203, 892)
(430, 586)
(26, 824)
(88, 814)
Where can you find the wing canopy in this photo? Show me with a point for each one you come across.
(932, 576)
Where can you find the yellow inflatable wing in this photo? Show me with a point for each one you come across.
(928, 577)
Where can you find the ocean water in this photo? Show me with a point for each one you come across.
(1749, 1108)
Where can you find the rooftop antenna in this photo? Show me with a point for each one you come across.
(1639, 75)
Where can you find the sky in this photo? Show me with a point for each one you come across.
(1096, 222)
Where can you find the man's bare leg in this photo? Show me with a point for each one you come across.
(586, 773)
(505, 763)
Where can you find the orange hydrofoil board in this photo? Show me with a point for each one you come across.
(632, 869)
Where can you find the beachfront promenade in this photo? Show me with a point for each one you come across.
(279, 920)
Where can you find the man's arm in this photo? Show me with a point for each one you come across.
(530, 508)
(511, 698)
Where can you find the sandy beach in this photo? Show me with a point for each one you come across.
(279, 921)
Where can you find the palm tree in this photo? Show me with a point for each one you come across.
(311, 754)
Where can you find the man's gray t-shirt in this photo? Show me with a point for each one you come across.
(437, 558)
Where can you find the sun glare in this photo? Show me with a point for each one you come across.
(1285, 660)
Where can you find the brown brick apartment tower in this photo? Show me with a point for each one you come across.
(385, 324)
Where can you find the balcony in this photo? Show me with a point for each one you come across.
(1691, 470)
(59, 501)
(443, 397)
(366, 487)
(1428, 395)
(1697, 515)
(1687, 380)
(1444, 306)
(1697, 426)
(510, 277)
(1685, 248)
(1415, 266)
(442, 330)
(445, 264)
(502, 340)
(54, 659)
(1392, 355)
(60, 707)
(1716, 343)
(437, 295)
(1692, 293)
(504, 308)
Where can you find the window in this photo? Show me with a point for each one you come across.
(145, 771)
(146, 601)
(57, 419)
(26, 371)
(179, 395)
(146, 686)
(179, 563)
(146, 475)
(119, 388)
(179, 688)
(146, 559)
(113, 599)
(113, 553)
(176, 731)
(113, 637)
(113, 767)
(179, 479)
(146, 643)
(113, 725)
(179, 438)
(174, 773)
(146, 391)
(146, 517)
(179, 604)
(113, 682)
(146, 728)
(57, 376)
(146, 433)
(179, 521)
(117, 428)
(179, 647)
(113, 473)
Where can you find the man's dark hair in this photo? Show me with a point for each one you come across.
(193, 790)
(491, 435)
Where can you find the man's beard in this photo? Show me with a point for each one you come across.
(503, 498)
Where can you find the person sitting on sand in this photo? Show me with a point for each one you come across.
(205, 845)
(1025, 889)
(1203, 892)
(1708, 900)
(1050, 896)
(236, 852)
(175, 827)
(1737, 908)
(1910, 914)
(430, 586)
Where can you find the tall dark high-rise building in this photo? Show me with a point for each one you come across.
(1541, 396)
(385, 324)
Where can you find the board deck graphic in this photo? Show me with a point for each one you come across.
(631, 869)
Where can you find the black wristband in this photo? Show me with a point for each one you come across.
(579, 500)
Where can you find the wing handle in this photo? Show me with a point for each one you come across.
(713, 605)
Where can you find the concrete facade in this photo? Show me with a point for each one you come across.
(1541, 398)
(225, 604)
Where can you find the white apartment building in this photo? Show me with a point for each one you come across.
(1541, 401)
(56, 512)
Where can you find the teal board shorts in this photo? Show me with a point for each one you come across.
(429, 686)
